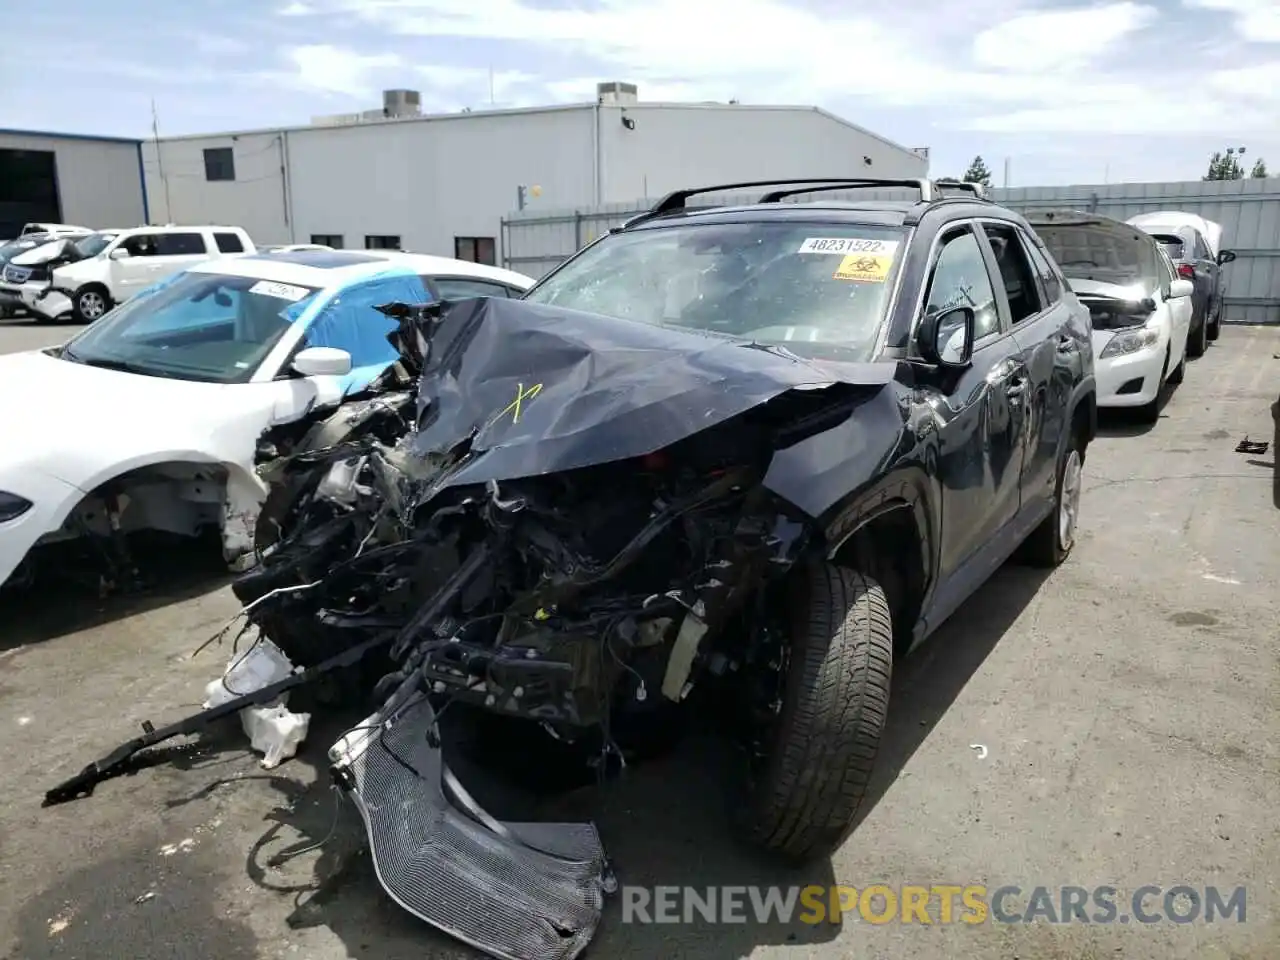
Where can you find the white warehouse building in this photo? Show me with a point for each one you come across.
(441, 184)
(89, 181)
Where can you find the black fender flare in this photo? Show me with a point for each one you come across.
(1086, 391)
(908, 488)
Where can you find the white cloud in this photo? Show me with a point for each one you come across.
(1255, 20)
(990, 65)
(1059, 39)
(334, 70)
(296, 9)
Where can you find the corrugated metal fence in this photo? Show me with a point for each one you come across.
(533, 241)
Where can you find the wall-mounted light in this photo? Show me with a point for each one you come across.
(867, 161)
(628, 122)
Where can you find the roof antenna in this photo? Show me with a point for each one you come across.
(155, 132)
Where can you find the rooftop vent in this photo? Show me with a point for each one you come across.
(616, 92)
(401, 103)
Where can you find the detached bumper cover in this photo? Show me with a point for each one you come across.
(513, 890)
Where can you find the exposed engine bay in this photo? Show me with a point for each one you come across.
(562, 518)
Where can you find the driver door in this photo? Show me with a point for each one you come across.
(980, 424)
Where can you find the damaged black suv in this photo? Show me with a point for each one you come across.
(756, 452)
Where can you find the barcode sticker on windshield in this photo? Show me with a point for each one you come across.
(847, 245)
(285, 291)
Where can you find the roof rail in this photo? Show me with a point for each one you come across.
(676, 199)
(929, 191)
(924, 186)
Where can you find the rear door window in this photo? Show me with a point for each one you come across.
(180, 244)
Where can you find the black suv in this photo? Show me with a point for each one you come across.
(742, 456)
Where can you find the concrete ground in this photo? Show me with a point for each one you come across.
(1127, 704)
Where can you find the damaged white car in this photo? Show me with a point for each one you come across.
(149, 419)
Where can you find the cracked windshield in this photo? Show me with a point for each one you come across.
(774, 283)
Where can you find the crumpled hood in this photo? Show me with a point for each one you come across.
(72, 420)
(541, 389)
(43, 253)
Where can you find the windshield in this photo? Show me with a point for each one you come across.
(92, 245)
(1090, 252)
(194, 326)
(768, 282)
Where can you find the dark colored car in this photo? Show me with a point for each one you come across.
(1194, 245)
(742, 456)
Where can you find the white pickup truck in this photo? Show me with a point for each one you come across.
(81, 278)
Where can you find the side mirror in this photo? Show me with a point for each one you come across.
(1181, 288)
(119, 253)
(1226, 256)
(945, 339)
(322, 362)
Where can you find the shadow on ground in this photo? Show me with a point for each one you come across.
(65, 597)
(663, 823)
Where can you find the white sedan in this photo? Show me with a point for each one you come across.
(1140, 307)
(149, 418)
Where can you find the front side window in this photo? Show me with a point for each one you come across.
(194, 326)
(773, 282)
(350, 322)
(960, 279)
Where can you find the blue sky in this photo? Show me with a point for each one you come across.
(1069, 92)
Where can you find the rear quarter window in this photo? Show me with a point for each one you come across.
(228, 242)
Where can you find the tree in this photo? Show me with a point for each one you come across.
(978, 173)
(1259, 169)
(1225, 166)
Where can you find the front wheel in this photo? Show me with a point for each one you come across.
(819, 750)
(89, 304)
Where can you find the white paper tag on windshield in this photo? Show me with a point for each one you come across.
(285, 291)
(847, 245)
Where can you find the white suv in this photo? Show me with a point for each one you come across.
(81, 278)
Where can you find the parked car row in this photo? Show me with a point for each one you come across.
(1153, 288)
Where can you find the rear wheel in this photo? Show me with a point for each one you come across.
(1051, 542)
(1215, 328)
(819, 750)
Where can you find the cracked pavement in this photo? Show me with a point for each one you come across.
(1127, 703)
